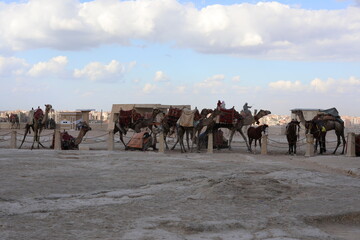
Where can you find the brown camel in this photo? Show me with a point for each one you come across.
(137, 125)
(242, 121)
(329, 125)
(292, 135)
(68, 142)
(14, 120)
(126, 121)
(186, 127)
(255, 133)
(207, 121)
(357, 145)
(168, 123)
(37, 125)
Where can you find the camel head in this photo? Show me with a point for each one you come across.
(261, 114)
(206, 111)
(48, 107)
(84, 127)
(156, 111)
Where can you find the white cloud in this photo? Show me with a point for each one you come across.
(267, 30)
(12, 66)
(214, 84)
(236, 79)
(287, 86)
(148, 88)
(97, 71)
(318, 85)
(55, 65)
(160, 76)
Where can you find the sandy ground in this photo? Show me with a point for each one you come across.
(119, 194)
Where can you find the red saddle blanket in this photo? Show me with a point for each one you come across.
(128, 117)
(38, 114)
(227, 115)
(174, 115)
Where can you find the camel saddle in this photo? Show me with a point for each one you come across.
(188, 117)
(128, 117)
(173, 115)
(227, 116)
(39, 114)
(324, 117)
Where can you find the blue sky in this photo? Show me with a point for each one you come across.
(275, 55)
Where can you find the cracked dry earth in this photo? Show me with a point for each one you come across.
(146, 195)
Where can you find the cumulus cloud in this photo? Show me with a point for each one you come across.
(97, 71)
(12, 66)
(55, 65)
(236, 79)
(148, 88)
(160, 76)
(214, 84)
(287, 85)
(318, 85)
(267, 29)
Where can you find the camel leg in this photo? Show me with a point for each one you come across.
(243, 135)
(231, 137)
(338, 143)
(344, 143)
(177, 138)
(35, 137)
(27, 129)
(187, 139)
(250, 142)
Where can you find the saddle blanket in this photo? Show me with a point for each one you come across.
(187, 118)
(227, 116)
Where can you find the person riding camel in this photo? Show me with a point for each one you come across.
(221, 104)
(246, 109)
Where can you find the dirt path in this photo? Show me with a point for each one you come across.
(136, 195)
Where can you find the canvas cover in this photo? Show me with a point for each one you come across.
(139, 141)
(330, 114)
(331, 111)
(187, 118)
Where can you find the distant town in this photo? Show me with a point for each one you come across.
(70, 117)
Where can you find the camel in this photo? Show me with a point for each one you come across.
(241, 121)
(256, 133)
(137, 125)
(205, 121)
(68, 142)
(292, 135)
(357, 144)
(168, 123)
(194, 117)
(328, 125)
(37, 125)
(14, 120)
(319, 132)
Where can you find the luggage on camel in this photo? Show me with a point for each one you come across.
(219, 140)
(188, 117)
(329, 114)
(140, 141)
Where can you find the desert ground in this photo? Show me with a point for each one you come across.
(100, 194)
